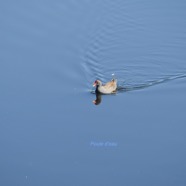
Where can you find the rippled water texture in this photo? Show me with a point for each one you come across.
(139, 43)
(50, 131)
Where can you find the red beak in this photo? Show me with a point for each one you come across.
(94, 84)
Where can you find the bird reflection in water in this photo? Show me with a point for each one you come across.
(111, 87)
(108, 88)
(97, 101)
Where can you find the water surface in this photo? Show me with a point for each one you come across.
(50, 131)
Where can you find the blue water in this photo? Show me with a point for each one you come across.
(50, 131)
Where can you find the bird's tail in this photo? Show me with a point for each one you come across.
(114, 77)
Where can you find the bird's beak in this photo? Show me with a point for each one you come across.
(94, 84)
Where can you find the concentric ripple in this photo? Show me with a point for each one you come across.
(139, 48)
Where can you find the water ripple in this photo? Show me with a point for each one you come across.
(128, 44)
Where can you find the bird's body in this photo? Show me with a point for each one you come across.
(109, 88)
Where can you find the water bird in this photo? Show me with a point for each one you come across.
(109, 88)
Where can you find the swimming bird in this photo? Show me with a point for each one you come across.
(109, 88)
